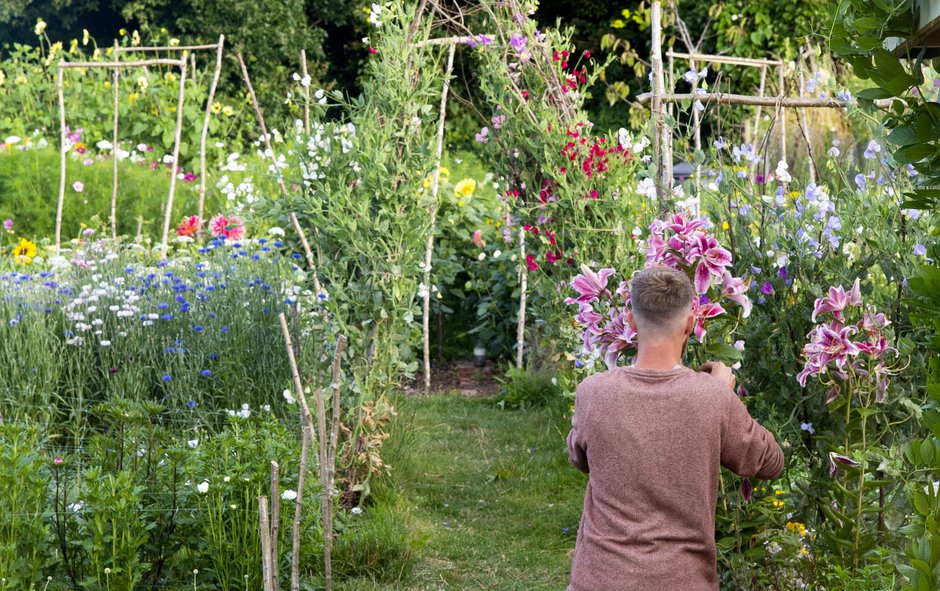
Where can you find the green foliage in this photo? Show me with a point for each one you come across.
(523, 389)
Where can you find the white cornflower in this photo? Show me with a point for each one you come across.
(289, 495)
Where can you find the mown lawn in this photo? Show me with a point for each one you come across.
(487, 495)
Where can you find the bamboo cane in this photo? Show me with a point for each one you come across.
(205, 128)
(660, 151)
(168, 215)
(429, 249)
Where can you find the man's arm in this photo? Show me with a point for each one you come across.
(747, 449)
(577, 447)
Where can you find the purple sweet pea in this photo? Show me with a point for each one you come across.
(920, 250)
(767, 288)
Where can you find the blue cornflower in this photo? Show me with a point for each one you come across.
(167, 316)
(213, 355)
(191, 404)
(206, 373)
(198, 328)
(225, 329)
(166, 377)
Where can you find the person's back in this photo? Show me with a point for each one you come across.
(652, 441)
(652, 438)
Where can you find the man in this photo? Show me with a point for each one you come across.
(652, 437)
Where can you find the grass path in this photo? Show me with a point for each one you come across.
(488, 496)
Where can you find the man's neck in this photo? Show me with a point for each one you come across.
(658, 355)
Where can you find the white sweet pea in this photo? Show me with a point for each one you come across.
(783, 174)
(203, 487)
(289, 495)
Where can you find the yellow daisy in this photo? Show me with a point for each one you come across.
(24, 252)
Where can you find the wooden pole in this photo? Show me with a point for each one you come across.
(781, 114)
(265, 543)
(205, 128)
(306, 439)
(760, 93)
(62, 149)
(330, 465)
(767, 101)
(303, 72)
(275, 524)
(280, 181)
(168, 215)
(724, 59)
(660, 150)
(429, 249)
(114, 148)
(523, 280)
(117, 64)
(803, 126)
(169, 48)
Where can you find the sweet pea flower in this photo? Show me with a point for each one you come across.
(872, 151)
(920, 250)
(836, 459)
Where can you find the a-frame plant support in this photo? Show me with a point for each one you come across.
(659, 98)
(60, 87)
(218, 47)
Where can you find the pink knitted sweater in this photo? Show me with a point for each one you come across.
(652, 442)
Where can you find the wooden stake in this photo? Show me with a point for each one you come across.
(265, 543)
(176, 157)
(330, 465)
(307, 437)
(660, 133)
(429, 249)
(205, 128)
(303, 72)
(520, 320)
(114, 148)
(280, 181)
(767, 101)
(275, 525)
(62, 149)
(803, 127)
(781, 114)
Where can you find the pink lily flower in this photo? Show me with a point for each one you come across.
(702, 311)
(590, 285)
(837, 301)
(712, 260)
(734, 289)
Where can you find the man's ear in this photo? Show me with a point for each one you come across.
(631, 321)
(689, 324)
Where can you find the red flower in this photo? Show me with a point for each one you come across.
(373, 50)
(531, 263)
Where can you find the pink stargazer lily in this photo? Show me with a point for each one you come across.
(589, 285)
(712, 259)
(685, 227)
(702, 311)
(828, 343)
(615, 337)
(837, 301)
(734, 289)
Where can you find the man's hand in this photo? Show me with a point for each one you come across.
(720, 371)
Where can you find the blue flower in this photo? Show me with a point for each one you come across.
(198, 328)
(871, 152)
(920, 250)
(213, 355)
(206, 373)
(166, 378)
(808, 427)
(191, 404)
(225, 329)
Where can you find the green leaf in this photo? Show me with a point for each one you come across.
(723, 352)
(874, 94)
(903, 136)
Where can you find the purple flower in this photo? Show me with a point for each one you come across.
(872, 151)
(8, 225)
(518, 42)
(860, 182)
(808, 427)
(835, 459)
(719, 143)
(747, 489)
(920, 250)
(767, 288)
(482, 136)
(782, 272)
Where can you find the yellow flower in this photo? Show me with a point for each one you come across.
(626, 13)
(216, 108)
(143, 82)
(107, 84)
(85, 36)
(133, 97)
(465, 187)
(40, 26)
(174, 42)
(3, 77)
(122, 32)
(228, 111)
(24, 252)
(73, 46)
(618, 24)
(460, 203)
(804, 551)
(135, 38)
(724, 225)
(778, 504)
(498, 224)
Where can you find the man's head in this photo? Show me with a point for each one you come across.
(661, 298)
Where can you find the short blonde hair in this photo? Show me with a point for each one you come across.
(660, 297)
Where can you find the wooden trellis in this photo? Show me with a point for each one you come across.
(218, 47)
(63, 65)
(659, 98)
